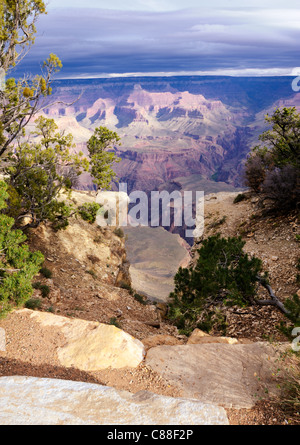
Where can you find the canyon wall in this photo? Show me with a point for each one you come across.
(174, 127)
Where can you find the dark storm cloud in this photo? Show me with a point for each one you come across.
(95, 41)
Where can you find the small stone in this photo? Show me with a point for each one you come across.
(158, 340)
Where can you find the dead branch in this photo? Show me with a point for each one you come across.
(274, 301)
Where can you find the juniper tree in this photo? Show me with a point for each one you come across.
(38, 173)
(223, 276)
(101, 159)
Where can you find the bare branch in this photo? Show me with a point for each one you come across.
(274, 301)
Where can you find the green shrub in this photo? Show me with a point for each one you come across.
(33, 303)
(140, 299)
(289, 398)
(47, 273)
(45, 290)
(223, 276)
(88, 211)
(126, 286)
(18, 265)
(60, 215)
(240, 197)
(92, 273)
(113, 321)
(293, 306)
(37, 285)
(273, 168)
(218, 222)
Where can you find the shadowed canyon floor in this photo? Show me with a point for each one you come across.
(155, 256)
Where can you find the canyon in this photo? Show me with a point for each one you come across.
(172, 128)
(177, 133)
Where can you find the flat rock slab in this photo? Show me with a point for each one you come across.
(35, 401)
(222, 374)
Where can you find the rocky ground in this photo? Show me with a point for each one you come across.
(83, 286)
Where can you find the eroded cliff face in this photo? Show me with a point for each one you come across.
(172, 128)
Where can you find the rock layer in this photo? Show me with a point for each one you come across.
(222, 374)
(33, 401)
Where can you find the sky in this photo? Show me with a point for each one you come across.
(97, 38)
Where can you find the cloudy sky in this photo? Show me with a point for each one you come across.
(97, 38)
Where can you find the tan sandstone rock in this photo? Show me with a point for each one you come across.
(92, 346)
(200, 337)
(222, 374)
(34, 401)
(158, 340)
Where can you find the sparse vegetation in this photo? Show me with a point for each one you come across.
(114, 322)
(224, 276)
(126, 286)
(272, 170)
(92, 273)
(293, 307)
(38, 171)
(217, 222)
(33, 303)
(18, 265)
(37, 285)
(88, 211)
(239, 198)
(47, 273)
(290, 394)
(140, 299)
(45, 290)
